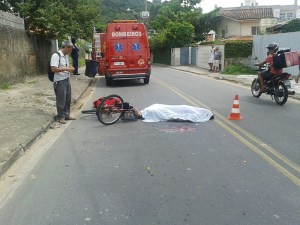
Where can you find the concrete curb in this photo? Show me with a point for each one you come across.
(19, 151)
(22, 148)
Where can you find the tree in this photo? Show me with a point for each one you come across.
(168, 12)
(175, 35)
(190, 2)
(158, 41)
(180, 34)
(117, 9)
(9, 5)
(292, 26)
(176, 13)
(206, 23)
(60, 18)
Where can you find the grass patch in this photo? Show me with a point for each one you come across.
(235, 69)
(81, 62)
(5, 86)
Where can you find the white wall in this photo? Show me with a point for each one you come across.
(232, 27)
(246, 26)
(243, 28)
(203, 55)
(175, 57)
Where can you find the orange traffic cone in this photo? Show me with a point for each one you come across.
(235, 112)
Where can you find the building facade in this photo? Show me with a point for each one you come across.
(252, 19)
(281, 12)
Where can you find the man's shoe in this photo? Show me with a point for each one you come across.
(62, 121)
(70, 118)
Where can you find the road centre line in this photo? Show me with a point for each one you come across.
(290, 163)
(247, 143)
(268, 148)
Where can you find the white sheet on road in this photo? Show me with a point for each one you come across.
(161, 112)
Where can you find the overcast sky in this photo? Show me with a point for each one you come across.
(208, 5)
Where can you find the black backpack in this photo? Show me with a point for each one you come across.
(279, 61)
(50, 73)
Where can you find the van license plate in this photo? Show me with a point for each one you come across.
(119, 63)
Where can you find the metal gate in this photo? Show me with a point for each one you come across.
(193, 56)
(285, 40)
(184, 56)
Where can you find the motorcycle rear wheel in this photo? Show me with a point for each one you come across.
(255, 88)
(281, 94)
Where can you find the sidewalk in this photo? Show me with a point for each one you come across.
(27, 111)
(242, 79)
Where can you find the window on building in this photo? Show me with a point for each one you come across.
(290, 16)
(282, 16)
(255, 30)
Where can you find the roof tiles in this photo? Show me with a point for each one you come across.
(247, 14)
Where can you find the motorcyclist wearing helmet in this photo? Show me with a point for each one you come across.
(266, 75)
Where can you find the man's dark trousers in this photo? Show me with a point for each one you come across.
(75, 64)
(62, 91)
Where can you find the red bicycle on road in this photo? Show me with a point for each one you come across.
(110, 110)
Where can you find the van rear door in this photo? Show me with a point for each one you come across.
(137, 46)
(117, 50)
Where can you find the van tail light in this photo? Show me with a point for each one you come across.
(149, 62)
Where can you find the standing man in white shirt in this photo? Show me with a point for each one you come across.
(61, 68)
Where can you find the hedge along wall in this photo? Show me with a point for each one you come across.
(238, 52)
(162, 56)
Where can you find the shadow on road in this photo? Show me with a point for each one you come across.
(121, 83)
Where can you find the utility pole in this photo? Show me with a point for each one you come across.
(296, 8)
(146, 7)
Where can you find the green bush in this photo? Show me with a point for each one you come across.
(162, 56)
(235, 49)
(292, 26)
(81, 62)
(216, 42)
(235, 69)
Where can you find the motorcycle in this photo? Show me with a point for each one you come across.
(279, 86)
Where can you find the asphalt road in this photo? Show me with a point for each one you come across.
(135, 173)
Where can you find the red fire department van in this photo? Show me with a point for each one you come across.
(123, 51)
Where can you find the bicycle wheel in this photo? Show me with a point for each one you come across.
(110, 110)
